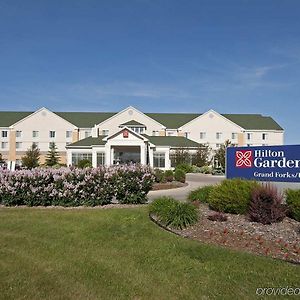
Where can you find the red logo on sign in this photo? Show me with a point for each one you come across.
(243, 159)
(125, 134)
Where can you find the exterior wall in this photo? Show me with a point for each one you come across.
(211, 123)
(5, 140)
(43, 121)
(273, 138)
(127, 115)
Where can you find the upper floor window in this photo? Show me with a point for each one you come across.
(4, 145)
(234, 136)
(105, 132)
(35, 134)
(51, 144)
(18, 133)
(218, 135)
(138, 129)
(187, 134)
(87, 133)
(264, 136)
(155, 132)
(4, 133)
(52, 134)
(202, 135)
(18, 145)
(249, 136)
(68, 134)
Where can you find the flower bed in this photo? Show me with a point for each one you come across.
(75, 187)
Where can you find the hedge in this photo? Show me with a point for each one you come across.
(74, 186)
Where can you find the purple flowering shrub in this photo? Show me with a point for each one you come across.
(75, 187)
(132, 183)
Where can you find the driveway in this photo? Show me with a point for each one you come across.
(195, 180)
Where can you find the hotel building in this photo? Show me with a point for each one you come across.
(129, 135)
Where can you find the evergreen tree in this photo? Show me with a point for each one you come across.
(31, 158)
(220, 154)
(2, 161)
(201, 157)
(52, 156)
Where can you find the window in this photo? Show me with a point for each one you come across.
(264, 136)
(18, 133)
(155, 133)
(18, 145)
(77, 157)
(4, 145)
(234, 136)
(218, 135)
(249, 136)
(4, 133)
(137, 129)
(218, 145)
(35, 134)
(186, 134)
(51, 144)
(87, 133)
(100, 159)
(68, 134)
(105, 132)
(52, 134)
(202, 135)
(170, 133)
(158, 160)
(249, 145)
(35, 144)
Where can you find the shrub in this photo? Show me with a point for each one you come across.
(266, 205)
(232, 196)
(173, 213)
(217, 217)
(159, 175)
(206, 170)
(179, 175)
(187, 168)
(196, 169)
(132, 183)
(74, 187)
(169, 175)
(293, 202)
(201, 194)
(84, 163)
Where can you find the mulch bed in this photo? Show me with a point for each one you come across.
(167, 185)
(278, 240)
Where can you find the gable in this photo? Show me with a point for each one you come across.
(43, 119)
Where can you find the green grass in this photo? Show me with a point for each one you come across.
(121, 254)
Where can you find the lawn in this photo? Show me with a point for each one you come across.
(121, 254)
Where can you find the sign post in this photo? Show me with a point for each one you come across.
(265, 163)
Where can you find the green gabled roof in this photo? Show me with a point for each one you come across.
(85, 119)
(172, 120)
(173, 141)
(254, 122)
(132, 123)
(8, 118)
(88, 142)
(169, 120)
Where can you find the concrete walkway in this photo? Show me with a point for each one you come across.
(193, 180)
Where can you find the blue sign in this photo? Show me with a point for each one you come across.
(266, 163)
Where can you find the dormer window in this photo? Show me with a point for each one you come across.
(134, 126)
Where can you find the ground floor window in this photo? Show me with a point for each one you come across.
(159, 160)
(77, 157)
(100, 159)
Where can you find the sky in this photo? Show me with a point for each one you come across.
(233, 56)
